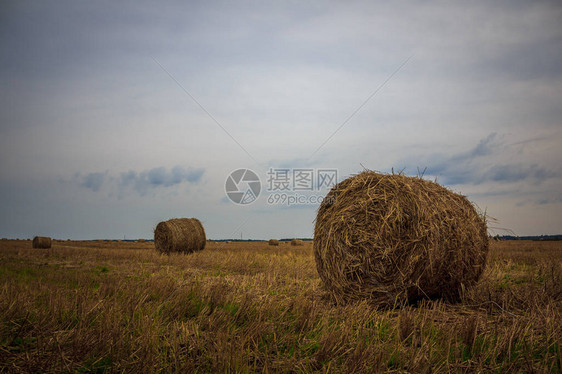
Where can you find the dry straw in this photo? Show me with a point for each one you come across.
(180, 235)
(394, 239)
(274, 242)
(41, 242)
(296, 242)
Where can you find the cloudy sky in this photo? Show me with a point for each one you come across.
(114, 117)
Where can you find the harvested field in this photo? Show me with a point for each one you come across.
(248, 307)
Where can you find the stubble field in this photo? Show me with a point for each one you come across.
(249, 307)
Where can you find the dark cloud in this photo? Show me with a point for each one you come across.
(484, 147)
(459, 168)
(144, 181)
(159, 177)
(548, 201)
(516, 172)
(472, 167)
(93, 181)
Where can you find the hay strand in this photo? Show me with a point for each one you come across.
(396, 239)
(184, 235)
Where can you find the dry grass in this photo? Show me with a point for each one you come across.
(392, 239)
(248, 307)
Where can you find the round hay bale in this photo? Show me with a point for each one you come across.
(396, 239)
(274, 242)
(180, 235)
(41, 242)
(297, 242)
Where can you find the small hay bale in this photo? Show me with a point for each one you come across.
(180, 235)
(297, 242)
(396, 239)
(274, 242)
(142, 240)
(41, 242)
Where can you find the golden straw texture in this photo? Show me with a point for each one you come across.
(394, 239)
(180, 235)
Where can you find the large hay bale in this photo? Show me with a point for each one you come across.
(41, 242)
(393, 239)
(297, 242)
(274, 242)
(180, 235)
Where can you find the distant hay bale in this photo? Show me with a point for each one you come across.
(142, 240)
(274, 242)
(180, 235)
(392, 239)
(41, 242)
(297, 242)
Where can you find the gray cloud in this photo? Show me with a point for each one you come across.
(474, 167)
(93, 181)
(549, 200)
(159, 177)
(516, 173)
